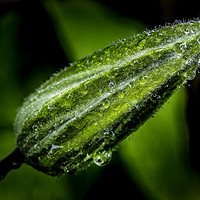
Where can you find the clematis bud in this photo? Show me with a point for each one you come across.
(83, 112)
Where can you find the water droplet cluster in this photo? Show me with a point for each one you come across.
(77, 117)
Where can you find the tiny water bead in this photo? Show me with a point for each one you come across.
(54, 147)
(143, 80)
(102, 159)
(106, 104)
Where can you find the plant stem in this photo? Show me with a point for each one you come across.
(12, 161)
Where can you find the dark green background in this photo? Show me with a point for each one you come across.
(37, 38)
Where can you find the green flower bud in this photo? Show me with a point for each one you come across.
(79, 116)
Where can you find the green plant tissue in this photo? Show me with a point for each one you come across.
(83, 112)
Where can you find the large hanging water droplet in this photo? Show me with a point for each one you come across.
(103, 158)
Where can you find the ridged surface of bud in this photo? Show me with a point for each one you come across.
(81, 113)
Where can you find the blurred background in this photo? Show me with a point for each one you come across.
(37, 38)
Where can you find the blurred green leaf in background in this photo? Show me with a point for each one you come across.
(157, 155)
(10, 92)
(36, 39)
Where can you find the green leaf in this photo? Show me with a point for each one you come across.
(84, 27)
(156, 156)
(81, 114)
(9, 62)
